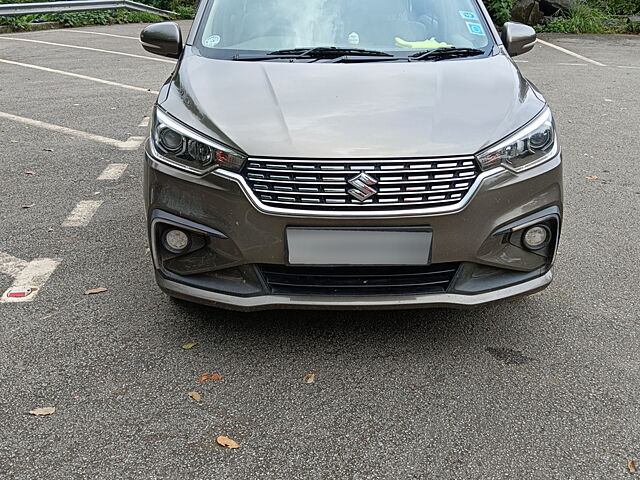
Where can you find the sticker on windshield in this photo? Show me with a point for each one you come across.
(354, 38)
(467, 15)
(475, 28)
(212, 41)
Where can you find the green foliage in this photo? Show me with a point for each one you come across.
(582, 18)
(617, 7)
(500, 10)
(185, 13)
(184, 8)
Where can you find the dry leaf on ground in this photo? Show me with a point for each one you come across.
(227, 442)
(30, 172)
(310, 377)
(30, 205)
(93, 291)
(189, 346)
(592, 177)
(196, 396)
(631, 465)
(43, 411)
(209, 376)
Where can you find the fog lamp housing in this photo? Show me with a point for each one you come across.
(176, 241)
(536, 237)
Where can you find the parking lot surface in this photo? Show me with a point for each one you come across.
(545, 387)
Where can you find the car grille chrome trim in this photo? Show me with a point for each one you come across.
(415, 183)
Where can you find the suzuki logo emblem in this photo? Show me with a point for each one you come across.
(363, 184)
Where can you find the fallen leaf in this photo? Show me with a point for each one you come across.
(569, 121)
(592, 177)
(30, 205)
(631, 465)
(93, 291)
(43, 411)
(209, 376)
(30, 172)
(49, 229)
(114, 108)
(189, 346)
(227, 442)
(196, 396)
(48, 149)
(309, 377)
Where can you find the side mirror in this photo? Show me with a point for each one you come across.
(518, 38)
(162, 39)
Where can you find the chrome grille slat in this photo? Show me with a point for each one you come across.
(359, 169)
(403, 184)
(334, 194)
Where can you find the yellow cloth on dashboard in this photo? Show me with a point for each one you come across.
(422, 45)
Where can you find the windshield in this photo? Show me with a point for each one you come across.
(400, 27)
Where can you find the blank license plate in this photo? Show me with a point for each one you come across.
(325, 246)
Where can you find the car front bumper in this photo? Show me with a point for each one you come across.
(238, 237)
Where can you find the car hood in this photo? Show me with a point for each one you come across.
(363, 110)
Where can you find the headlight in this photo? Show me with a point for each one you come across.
(534, 144)
(183, 148)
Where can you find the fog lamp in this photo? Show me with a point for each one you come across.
(176, 241)
(536, 237)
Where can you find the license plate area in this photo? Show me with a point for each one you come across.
(362, 246)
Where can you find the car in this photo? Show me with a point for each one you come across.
(352, 154)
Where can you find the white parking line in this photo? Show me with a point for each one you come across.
(77, 75)
(3, 37)
(27, 276)
(573, 64)
(132, 143)
(623, 66)
(82, 214)
(113, 171)
(573, 54)
(105, 34)
(144, 122)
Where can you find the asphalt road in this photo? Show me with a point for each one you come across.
(542, 388)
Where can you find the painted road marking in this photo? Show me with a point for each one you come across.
(144, 122)
(2, 37)
(573, 64)
(132, 143)
(573, 54)
(26, 275)
(113, 171)
(83, 77)
(105, 34)
(82, 214)
(621, 66)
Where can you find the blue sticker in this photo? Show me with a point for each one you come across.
(467, 15)
(212, 41)
(475, 28)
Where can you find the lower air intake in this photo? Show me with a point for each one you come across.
(354, 281)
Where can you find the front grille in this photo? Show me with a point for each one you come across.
(324, 184)
(286, 280)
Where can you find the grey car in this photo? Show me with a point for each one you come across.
(350, 154)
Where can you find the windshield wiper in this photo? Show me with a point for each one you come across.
(330, 52)
(313, 53)
(443, 53)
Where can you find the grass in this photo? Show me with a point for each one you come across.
(582, 18)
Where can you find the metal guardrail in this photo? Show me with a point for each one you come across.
(14, 9)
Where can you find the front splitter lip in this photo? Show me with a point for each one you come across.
(267, 302)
